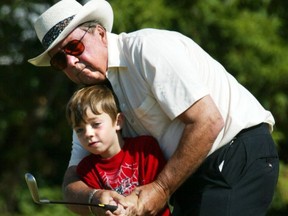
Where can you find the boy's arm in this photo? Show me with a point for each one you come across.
(75, 190)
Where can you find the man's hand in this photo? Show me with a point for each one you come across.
(112, 198)
(151, 198)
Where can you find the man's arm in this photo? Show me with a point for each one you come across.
(203, 122)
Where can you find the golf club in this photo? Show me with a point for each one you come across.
(33, 188)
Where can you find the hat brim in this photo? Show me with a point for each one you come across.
(100, 11)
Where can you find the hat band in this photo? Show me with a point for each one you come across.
(55, 31)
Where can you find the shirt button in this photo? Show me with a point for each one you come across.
(123, 106)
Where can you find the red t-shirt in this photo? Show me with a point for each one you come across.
(138, 163)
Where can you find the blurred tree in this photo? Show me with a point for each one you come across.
(34, 137)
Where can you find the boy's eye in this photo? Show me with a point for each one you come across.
(78, 130)
(95, 124)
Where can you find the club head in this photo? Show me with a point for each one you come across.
(33, 188)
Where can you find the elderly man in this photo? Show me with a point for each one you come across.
(216, 135)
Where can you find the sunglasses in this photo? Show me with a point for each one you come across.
(74, 48)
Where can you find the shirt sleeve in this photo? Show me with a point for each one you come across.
(78, 152)
(172, 71)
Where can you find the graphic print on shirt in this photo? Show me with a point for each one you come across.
(123, 181)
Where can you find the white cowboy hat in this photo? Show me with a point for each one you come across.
(62, 18)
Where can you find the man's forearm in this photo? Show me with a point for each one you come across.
(75, 190)
(203, 123)
(186, 159)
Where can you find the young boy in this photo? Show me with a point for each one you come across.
(115, 163)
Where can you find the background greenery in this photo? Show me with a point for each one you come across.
(249, 37)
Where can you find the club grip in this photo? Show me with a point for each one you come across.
(111, 208)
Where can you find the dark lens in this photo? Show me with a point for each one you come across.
(58, 61)
(74, 47)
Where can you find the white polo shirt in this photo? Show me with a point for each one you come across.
(158, 74)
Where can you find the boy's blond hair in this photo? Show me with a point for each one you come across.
(94, 97)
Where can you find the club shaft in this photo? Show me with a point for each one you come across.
(104, 206)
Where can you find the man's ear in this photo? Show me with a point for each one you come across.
(102, 32)
(120, 121)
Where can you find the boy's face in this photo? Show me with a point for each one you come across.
(99, 135)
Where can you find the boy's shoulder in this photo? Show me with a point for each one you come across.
(141, 142)
(141, 139)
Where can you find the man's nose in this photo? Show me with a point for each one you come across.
(71, 60)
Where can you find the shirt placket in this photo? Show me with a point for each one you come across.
(119, 87)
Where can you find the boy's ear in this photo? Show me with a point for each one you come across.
(120, 121)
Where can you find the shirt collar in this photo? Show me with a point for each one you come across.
(115, 55)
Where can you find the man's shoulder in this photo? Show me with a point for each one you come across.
(147, 37)
(145, 33)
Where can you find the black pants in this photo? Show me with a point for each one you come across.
(244, 187)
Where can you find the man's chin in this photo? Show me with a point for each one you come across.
(91, 81)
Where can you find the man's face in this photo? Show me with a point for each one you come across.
(89, 67)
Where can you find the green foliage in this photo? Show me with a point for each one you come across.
(131, 15)
(279, 206)
(248, 37)
(26, 206)
(282, 195)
